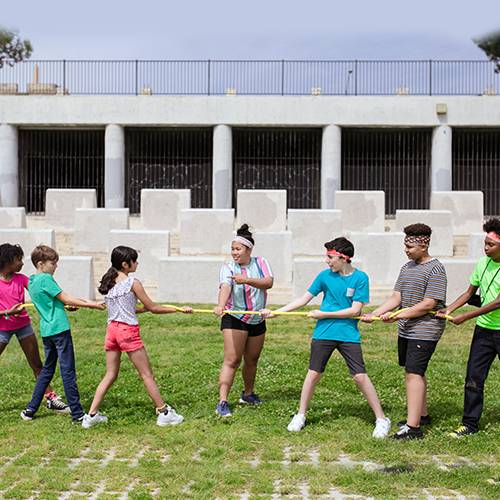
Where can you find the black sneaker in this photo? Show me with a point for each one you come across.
(27, 414)
(424, 420)
(406, 432)
(55, 403)
(462, 431)
(251, 399)
(78, 420)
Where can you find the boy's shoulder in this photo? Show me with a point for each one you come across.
(360, 275)
(39, 278)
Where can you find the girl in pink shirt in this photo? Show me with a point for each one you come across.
(15, 320)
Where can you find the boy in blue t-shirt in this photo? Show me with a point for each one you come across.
(345, 291)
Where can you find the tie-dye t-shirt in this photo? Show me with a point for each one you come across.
(246, 297)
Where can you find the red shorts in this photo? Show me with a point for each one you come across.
(122, 337)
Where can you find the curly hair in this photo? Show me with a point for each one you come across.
(418, 229)
(8, 253)
(492, 225)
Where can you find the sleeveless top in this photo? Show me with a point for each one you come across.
(121, 303)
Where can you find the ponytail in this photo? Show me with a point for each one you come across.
(108, 281)
(119, 255)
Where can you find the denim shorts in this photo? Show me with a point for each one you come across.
(20, 333)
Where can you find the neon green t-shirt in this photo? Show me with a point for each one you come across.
(489, 286)
(43, 290)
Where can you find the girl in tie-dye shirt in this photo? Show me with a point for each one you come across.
(243, 286)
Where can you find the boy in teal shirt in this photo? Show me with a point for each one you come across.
(345, 291)
(485, 346)
(49, 301)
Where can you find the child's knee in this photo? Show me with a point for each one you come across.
(360, 378)
(232, 363)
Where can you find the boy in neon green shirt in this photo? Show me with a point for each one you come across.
(485, 346)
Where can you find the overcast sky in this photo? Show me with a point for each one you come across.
(255, 29)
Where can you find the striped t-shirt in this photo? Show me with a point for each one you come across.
(246, 297)
(417, 282)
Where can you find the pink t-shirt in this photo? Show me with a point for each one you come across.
(12, 293)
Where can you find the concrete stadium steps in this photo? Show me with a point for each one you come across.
(64, 239)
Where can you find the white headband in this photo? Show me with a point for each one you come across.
(243, 241)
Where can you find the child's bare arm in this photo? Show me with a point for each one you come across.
(69, 300)
(152, 306)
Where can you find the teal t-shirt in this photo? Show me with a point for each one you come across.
(43, 290)
(339, 292)
(486, 276)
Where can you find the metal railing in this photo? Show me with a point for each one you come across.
(279, 77)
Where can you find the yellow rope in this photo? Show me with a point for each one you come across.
(71, 308)
(275, 313)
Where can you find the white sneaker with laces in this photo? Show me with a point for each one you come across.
(168, 417)
(88, 421)
(382, 428)
(297, 423)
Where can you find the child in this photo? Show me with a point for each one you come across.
(345, 291)
(16, 321)
(420, 289)
(49, 301)
(243, 286)
(485, 344)
(123, 335)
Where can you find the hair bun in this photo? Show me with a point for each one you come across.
(244, 229)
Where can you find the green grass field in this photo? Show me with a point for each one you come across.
(250, 455)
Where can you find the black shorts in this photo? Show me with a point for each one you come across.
(321, 350)
(415, 354)
(229, 321)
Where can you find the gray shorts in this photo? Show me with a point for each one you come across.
(321, 350)
(20, 333)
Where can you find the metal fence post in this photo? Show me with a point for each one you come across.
(208, 77)
(136, 77)
(282, 77)
(64, 77)
(355, 77)
(430, 76)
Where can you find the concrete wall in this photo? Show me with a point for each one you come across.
(419, 111)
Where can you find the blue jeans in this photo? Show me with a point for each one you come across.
(60, 347)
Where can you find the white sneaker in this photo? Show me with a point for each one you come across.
(382, 428)
(168, 417)
(89, 421)
(297, 423)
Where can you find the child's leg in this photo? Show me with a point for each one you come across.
(425, 410)
(366, 387)
(64, 345)
(312, 378)
(415, 396)
(46, 374)
(353, 356)
(483, 352)
(234, 346)
(2, 347)
(113, 359)
(29, 345)
(321, 351)
(253, 348)
(140, 360)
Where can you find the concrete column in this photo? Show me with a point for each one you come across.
(441, 159)
(9, 166)
(331, 165)
(222, 174)
(114, 167)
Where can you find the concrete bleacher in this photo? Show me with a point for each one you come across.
(199, 240)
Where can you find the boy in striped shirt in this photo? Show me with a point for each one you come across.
(421, 291)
